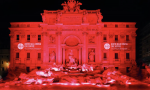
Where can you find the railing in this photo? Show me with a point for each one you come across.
(116, 60)
(17, 60)
(28, 60)
(127, 61)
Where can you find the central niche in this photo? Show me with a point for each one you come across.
(72, 41)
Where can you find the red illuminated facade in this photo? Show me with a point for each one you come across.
(71, 36)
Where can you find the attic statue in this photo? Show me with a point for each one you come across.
(71, 6)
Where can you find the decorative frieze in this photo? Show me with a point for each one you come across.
(44, 34)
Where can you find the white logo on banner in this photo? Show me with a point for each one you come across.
(107, 46)
(20, 46)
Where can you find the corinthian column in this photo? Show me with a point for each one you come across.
(59, 49)
(98, 47)
(84, 49)
(45, 48)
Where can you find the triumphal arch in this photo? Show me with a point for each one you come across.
(72, 36)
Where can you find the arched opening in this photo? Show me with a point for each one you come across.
(72, 51)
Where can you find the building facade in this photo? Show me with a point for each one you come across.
(4, 61)
(143, 45)
(71, 36)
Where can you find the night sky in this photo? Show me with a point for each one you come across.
(112, 10)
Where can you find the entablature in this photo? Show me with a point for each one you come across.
(119, 24)
(25, 24)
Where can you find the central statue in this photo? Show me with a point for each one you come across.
(71, 57)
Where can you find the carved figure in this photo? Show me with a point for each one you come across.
(43, 17)
(99, 20)
(84, 20)
(52, 39)
(58, 17)
(52, 56)
(71, 6)
(91, 56)
(71, 57)
(65, 7)
(77, 8)
(91, 39)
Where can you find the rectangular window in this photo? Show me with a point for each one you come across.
(116, 37)
(127, 56)
(105, 25)
(116, 68)
(116, 25)
(116, 55)
(28, 55)
(105, 37)
(127, 69)
(17, 37)
(39, 55)
(39, 37)
(105, 55)
(28, 37)
(127, 37)
(2, 68)
(127, 26)
(17, 55)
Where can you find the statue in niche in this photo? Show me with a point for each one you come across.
(52, 39)
(91, 39)
(71, 58)
(58, 17)
(99, 20)
(92, 56)
(84, 19)
(52, 56)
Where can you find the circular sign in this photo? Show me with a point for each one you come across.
(107, 46)
(20, 46)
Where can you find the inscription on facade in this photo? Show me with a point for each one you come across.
(71, 20)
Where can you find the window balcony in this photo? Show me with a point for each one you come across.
(17, 40)
(39, 61)
(105, 59)
(28, 40)
(28, 60)
(127, 61)
(116, 61)
(39, 40)
(17, 60)
(104, 40)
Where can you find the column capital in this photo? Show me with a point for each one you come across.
(44, 34)
(58, 33)
(22, 35)
(84, 33)
(33, 35)
(98, 33)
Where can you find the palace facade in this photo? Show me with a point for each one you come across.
(72, 36)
